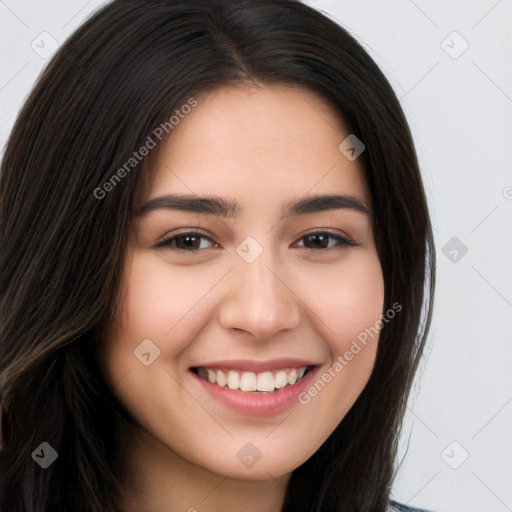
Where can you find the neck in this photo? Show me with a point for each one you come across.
(156, 479)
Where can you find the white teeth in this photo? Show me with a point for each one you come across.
(281, 379)
(292, 377)
(233, 380)
(250, 382)
(221, 379)
(265, 382)
(212, 376)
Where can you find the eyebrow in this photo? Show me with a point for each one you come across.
(230, 208)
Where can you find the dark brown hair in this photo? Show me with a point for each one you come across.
(121, 74)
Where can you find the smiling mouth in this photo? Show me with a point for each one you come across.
(253, 382)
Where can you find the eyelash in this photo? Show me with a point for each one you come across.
(168, 242)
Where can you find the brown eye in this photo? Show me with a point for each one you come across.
(190, 242)
(321, 240)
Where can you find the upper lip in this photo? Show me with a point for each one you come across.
(251, 365)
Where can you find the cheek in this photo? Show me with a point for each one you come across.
(347, 297)
(348, 301)
(171, 306)
(164, 304)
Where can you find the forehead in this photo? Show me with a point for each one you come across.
(257, 143)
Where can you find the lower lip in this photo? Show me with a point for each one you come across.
(260, 405)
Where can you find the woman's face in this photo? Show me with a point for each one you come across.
(252, 294)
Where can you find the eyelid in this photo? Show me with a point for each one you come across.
(343, 240)
(165, 242)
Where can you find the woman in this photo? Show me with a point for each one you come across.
(265, 367)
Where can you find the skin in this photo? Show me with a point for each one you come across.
(261, 146)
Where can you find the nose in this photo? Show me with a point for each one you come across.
(259, 299)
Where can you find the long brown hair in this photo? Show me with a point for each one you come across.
(120, 75)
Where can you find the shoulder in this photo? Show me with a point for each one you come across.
(394, 506)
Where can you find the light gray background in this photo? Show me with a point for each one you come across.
(459, 106)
